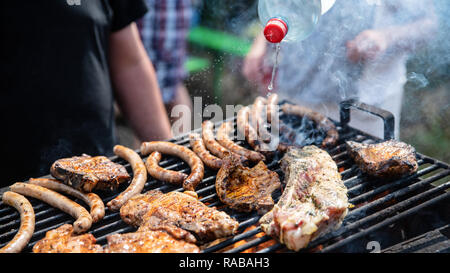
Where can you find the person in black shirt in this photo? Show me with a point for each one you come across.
(64, 62)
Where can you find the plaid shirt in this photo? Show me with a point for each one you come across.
(164, 32)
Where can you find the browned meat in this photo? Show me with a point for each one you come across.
(148, 242)
(389, 159)
(313, 202)
(61, 240)
(87, 173)
(179, 214)
(246, 189)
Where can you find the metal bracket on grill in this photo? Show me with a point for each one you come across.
(386, 116)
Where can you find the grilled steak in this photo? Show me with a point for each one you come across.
(148, 242)
(61, 240)
(87, 173)
(313, 202)
(246, 189)
(389, 159)
(179, 214)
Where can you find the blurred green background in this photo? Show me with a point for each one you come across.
(216, 64)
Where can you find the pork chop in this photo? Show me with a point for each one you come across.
(246, 189)
(86, 173)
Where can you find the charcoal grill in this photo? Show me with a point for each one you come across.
(379, 206)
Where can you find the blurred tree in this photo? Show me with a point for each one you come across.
(230, 16)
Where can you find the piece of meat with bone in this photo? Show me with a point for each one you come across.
(148, 242)
(87, 173)
(313, 202)
(246, 189)
(388, 159)
(175, 212)
(62, 240)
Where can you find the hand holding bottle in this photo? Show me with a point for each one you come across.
(253, 67)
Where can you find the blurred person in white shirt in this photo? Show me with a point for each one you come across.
(358, 50)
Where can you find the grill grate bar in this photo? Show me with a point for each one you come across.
(359, 189)
(347, 227)
(365, 196)
(381, 215)
(250, 244)
(377, 210)
(390, 220)
(400, 193)
(237, 237)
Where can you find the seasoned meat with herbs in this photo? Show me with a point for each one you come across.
(313, 202)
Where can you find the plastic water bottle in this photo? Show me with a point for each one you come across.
(290, 20)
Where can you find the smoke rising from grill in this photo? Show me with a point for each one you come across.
(423, 46)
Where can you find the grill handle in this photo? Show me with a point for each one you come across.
(386, 116)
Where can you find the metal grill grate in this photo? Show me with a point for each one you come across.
(377, 203)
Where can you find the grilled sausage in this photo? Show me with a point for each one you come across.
(26, 228)
(139, 177)
(210, 142)
(93, 200)
(242, 122)
(321, 121)
(162, 174)
(272, 106)
(54, 199)
(198, 146)
(244, 126)
(257, 119)
(224, 139)
(194, 162)
(251, 136)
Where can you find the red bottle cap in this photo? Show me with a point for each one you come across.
(275, 30)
